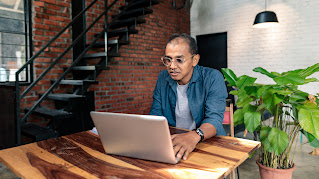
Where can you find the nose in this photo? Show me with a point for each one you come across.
(173, 65)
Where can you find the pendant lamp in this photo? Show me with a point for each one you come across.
(265, 19)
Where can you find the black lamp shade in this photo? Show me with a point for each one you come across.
(266, 16)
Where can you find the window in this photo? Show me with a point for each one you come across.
(14, 43)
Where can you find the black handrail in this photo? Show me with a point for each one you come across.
(30, 61)
(69, 68)
(46, 46)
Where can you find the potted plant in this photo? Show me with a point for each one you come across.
(291, 109)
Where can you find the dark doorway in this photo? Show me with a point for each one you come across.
(212, 49)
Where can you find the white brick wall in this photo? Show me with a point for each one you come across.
(293, 44)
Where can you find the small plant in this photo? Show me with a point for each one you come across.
(293, 111)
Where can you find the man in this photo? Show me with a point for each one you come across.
(188, 95)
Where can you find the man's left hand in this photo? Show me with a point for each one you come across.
(185, 143)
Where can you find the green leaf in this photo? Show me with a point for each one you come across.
(261, 90)
(309, 80)
(310, 70)
(309, 136)
(275, 73)
(278, 140)
(243, 100)
(271, 99)
(261, 107)
(264, 131)
(245, 81)
(238, 117)
(234, 92)
(251, 90)
(298, 97)
(265, 72)
(230, 76)
(252, 120)
(289, 78)
(252, 154)
(308, 117)
(315, 143)
(283, 91)
(239, 113)
(311, 139)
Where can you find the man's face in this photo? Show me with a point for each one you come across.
(179, 49)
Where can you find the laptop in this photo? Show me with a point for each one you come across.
(138, 136)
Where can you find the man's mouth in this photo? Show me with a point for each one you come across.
(174, 73)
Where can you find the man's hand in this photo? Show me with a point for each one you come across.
(184, 143)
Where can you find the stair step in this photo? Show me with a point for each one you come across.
(140, 3)
(63, 96)
(95, 55)
(133, 13)
(110, 43)
(89, 68)
(100, 55)
(37, 132)
(84, 68)
(76, 82)
(51, 113)
(127, 22)
(119, 32)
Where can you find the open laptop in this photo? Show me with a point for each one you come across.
(138, 136)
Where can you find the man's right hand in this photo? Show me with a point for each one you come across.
(185, 143)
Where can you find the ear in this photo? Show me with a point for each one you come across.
(196, 60)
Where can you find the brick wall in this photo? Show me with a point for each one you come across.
(293, 44)
(48, 18)
(128, 85)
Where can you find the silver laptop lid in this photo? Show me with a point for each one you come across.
(138, 136)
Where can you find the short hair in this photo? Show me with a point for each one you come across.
(190, 40)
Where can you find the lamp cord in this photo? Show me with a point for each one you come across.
(265, 5)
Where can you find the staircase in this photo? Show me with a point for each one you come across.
(71, 113)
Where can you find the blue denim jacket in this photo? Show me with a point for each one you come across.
(206, 96)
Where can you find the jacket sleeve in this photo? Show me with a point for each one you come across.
(216, 102)
(157, 100)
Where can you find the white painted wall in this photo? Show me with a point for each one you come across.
(293, 44)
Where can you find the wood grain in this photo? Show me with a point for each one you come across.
(74, 154)
(82, 155)
(20, 160)
(50, 170)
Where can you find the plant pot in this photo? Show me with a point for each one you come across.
(272, 173)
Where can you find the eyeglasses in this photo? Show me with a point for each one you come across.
(167, 61)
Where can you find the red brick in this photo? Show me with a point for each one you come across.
(132, 76)
(53, 7)
(49, 22)
(57, 18)
(49, 1)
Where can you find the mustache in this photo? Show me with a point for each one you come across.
(174, 71)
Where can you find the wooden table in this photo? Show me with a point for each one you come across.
(81, 155)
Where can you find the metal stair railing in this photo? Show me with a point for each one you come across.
(31, 60)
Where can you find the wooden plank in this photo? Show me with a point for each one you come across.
(237, 144)
(162, 169)
(214, 157)
(107, 158)
(100, 167)
(82, 155)
(30, 161)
